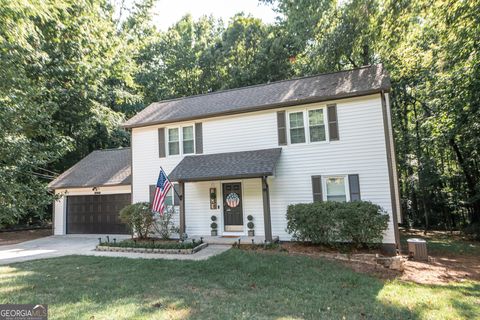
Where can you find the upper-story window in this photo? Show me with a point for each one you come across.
(307, 125)
(181, 140)
(297, 127)
(188, 142)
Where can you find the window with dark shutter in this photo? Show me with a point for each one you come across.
(332, 122)
(354, 187)
(161, 142)
(317, 188)
(152, 188)
(176, 199)
(282, 128)
(198, 138)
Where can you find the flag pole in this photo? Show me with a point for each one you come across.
(173, 186)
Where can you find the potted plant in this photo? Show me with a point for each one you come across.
(214, 226)
(250, 225)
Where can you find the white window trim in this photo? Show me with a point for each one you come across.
(306, 125)
(346, 185)
(180, 139)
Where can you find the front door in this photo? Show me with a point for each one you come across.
(232, 207)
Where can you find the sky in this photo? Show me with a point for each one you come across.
(167, 12)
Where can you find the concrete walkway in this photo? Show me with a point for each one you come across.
(57, 246)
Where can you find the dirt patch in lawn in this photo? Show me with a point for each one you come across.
(13, 237)
(439, 270)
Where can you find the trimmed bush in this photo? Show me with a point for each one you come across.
(213, 225)
(360, 223)
(250, 225)
(139, 218)
(250, 217)
(214, 218)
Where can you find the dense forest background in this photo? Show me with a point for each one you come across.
(71, 71)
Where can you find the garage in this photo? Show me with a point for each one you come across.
(90, 214)
(90, 195)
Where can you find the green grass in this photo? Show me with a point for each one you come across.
(234, 285)
(443, 243)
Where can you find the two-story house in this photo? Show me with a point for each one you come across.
(246, 151)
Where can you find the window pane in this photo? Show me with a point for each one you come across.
(336, 189)
(173, 148)
(188, 146)
(297, 130)
(315, 117)
(173, 134)
(317, 133)
(296, 120)
(169, 198)
(187, 133)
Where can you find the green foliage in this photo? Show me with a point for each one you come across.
(361, 223)
(213, 218)
(250, 225)
(139, 218)
(250, 217)
(163, 225)
(214, 225)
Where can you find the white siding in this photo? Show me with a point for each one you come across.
(60, 210)
(360, 150)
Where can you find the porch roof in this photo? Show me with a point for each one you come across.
(224, 166)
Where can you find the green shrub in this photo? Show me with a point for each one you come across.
(249, 217)
(139, 218)
(214, 218)
(163, 224)
(213, 225)
(151, 244)
(473, 231)
(360, 223)
(250, 225)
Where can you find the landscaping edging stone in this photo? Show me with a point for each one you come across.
(151, 250)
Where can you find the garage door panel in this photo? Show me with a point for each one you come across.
(96, 213)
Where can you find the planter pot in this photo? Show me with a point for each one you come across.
(251, 233)
(214, 233)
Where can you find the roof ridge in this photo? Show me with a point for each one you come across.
(261, 84)
(111, 149)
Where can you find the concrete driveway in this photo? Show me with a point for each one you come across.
(57, 246)
(52, 246)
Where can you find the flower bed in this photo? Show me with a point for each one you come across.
(151, 246)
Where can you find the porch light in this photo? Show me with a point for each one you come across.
(99, 240)
(108, 239)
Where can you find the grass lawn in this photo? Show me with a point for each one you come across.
(234, 285)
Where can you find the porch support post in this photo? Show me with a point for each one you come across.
(266, 210)
(181, 190)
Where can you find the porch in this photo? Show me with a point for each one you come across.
(230, 240)
(233, 187)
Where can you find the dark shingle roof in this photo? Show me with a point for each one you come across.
(323, 87)
(232, 165)
(100, 168)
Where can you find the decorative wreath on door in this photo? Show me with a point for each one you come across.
(233, 200)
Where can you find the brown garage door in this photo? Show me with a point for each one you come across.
(96, 213)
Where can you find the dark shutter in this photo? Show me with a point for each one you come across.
(282, 128)
(317, 188)
(198, 138)
(354, 186)
(161, 142)
(332, 121)
(176, 199)
(152, 188)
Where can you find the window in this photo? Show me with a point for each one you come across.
(187, 136)
(297, 129)
(336, 190)
(173, 141)
(316, 125)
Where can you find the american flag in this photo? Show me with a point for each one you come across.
(163, 186)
